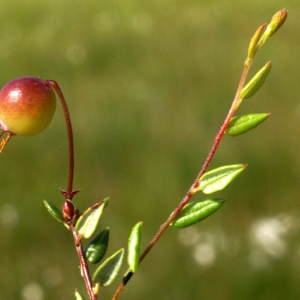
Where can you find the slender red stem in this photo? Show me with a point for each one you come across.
(83, 265)
(190, 193)
(57, 89)
(70, 193)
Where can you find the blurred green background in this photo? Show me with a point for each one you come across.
(148, 84)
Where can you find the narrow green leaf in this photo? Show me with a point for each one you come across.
(54, 211)
(106, 201)
(107, 272)
(241, 124)
(134, 245)
(196, 211)
(253, 43)
(78, 296)
(88, 221)
(97, 247)
(256, 82)
(219, 178)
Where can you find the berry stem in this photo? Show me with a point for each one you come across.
(83, 265)
(55, 86)
(70, 193)
(4, 140)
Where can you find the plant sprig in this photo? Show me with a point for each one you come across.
(41, 100)
(242, 92)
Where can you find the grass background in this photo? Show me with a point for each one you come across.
(148, 84)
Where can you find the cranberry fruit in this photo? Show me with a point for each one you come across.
(27, 105)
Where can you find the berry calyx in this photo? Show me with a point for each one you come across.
(27, 105)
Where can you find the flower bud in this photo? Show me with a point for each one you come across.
(276, 22)
(70, 212)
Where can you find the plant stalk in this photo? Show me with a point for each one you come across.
(55, 86)
(83, 265)
(70, 193)
(209, 158)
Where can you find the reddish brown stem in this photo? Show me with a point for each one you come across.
(57, 89)
(83, 265)
(215, 145)
(189, 194)
(70, 193)
(118, 291)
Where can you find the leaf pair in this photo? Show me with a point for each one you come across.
(107, 272)
(210, 182)
(96, 249)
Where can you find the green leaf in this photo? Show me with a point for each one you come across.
(54, 211)
(97, 247)
(88, 221)
(134, 245)
(108, 271)
(219, 178)
(196, 211)
(78, 296)
(241, 124)
(256, 82)
(105, 201)
(253, 43)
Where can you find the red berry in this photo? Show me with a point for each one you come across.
(27, 106)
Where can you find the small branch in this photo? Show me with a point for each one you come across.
(57, 89)
(211, 153)
(118, 291)
(83, 265)
(5, 140)
(215, 145)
